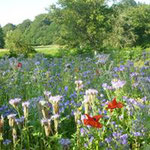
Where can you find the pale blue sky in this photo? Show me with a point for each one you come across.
(15, 11)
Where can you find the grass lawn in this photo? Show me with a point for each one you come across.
(49, 50)
(3, 52)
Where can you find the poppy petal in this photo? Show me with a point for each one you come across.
(114, 102)
(119, 105)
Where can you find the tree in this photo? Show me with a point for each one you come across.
(1, 38)
(127, 3)
(81, 23)
(130, 27)
(40, 32)
(8, 27)
(24, 25)
(17, 44)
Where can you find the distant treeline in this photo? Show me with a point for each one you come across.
(38, 32)
(86, 24)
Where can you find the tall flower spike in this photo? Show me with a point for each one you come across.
(56, 121)
(54, 100)
(46, 123)
(1, 126)
(25, 106)
(86, 104)
(77, 115)
(44, 108)
(11, 119)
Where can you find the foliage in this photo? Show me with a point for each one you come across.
(24, 25)
(40, 31)
(8, 27)
(1, 38)
(17, 44)
(82, 24)
(130, 26)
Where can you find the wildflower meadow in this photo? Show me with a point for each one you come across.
(74, 103)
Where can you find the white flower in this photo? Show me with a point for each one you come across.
(91, 92)
(15, 101)
(55, 99)
(116, 83)
(43, 103)
(11, 116)
(47, 93)
(79, 84)
(45, 122)
(26, 104)
(55, 116)
(86, 99)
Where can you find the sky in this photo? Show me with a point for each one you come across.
(15, 11)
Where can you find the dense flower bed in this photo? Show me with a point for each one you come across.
(74, 103)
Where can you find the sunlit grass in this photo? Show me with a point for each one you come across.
(49, 50)
(3, 52)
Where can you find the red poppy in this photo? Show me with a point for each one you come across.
(19, 65)
(93, 121)
(114, 104)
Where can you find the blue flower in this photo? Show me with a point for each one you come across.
(7, 142)
(64, 142)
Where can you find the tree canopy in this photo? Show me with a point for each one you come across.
(87, 24)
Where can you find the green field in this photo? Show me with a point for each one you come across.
(49, 50)
(3, 52)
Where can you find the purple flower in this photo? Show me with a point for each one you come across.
(133, 74)
(7, 142)
(116, 134)
(20, 120)
(83, 131)
(66, 88)
(137, 134)
(116, 69)
(121, 68)
(116, 83)
(144, 98)
(85, 145)
(124, 136)
(64, 142)
(124, 142)
(104, 85)
(108, 140)
(91, 139)
(135, 84)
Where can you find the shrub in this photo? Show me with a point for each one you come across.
(17, 44)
